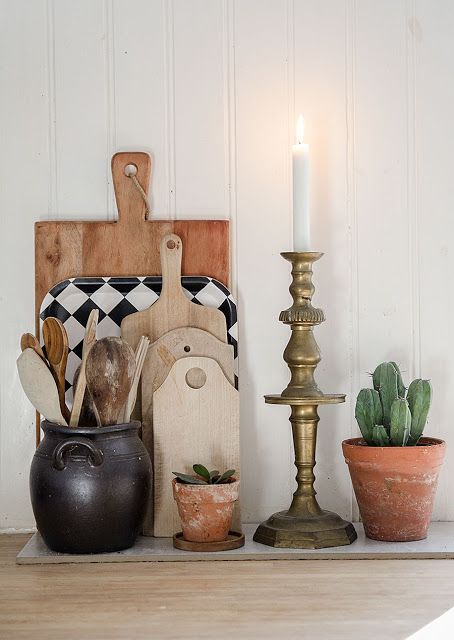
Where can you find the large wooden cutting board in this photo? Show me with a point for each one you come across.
(162, 355)
(192, 425)
(128, 246)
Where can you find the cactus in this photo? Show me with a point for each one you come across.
(368, 412)
(380, 436)
(419, 397)
(387, 414)
(400, 383)
(400, 423)
(385, 382)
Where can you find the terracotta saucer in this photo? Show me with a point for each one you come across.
(235, 540)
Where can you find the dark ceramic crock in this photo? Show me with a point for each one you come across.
(89, 487)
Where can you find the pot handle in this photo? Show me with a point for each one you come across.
(58, 456)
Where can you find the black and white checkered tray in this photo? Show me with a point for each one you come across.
(72, 300)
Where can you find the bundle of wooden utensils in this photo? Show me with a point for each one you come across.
(105, 385)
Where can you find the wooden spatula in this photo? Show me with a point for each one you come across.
(39, 386)
(56, 344)
(29, 341)
(140, 355)
(173, 309)
(109, 371)
(79, 390)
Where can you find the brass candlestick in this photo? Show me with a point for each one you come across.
(304, 525)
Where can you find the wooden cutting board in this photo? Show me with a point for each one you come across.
(162, 355)
(128, 246)
(195, 420)
(172, 310)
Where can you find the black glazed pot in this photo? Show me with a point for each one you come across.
(89, 487)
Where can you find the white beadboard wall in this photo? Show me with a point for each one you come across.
(211, 88)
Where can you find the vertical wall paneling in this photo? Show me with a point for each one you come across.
(109, 73)
(199, 108)
(141, 106)
(52, 109)
(320, 94)
(263, 230)
(381, 157)
(82, 115)
(412, 195)
(435, 140)
(352, 218)
(24, 196)
(230, 156)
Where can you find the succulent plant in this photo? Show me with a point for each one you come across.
(203, 476)
(388, 414)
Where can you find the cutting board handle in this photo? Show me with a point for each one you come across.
(130, 204)
(171, 255)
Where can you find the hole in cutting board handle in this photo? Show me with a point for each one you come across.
(130, 170)
(195, 378)
(171, 244)
(187, 348)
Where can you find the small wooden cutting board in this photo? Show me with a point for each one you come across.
(195, 420)
(172, 310)
(162, 355)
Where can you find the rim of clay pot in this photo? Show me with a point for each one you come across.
(225, 492)
(422, 443)
(233, 482)
(88, 431)
(356, 450)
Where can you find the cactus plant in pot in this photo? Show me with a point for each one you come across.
(394, 470)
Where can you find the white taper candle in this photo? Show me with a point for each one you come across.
(301, 218)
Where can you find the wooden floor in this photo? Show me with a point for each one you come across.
(330, 599)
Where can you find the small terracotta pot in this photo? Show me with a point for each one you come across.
(206, 510)
(395, 486)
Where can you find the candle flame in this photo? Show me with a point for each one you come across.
(300, 124)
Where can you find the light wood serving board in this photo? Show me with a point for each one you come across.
(192, 425)
(162, 355)
(172, 310)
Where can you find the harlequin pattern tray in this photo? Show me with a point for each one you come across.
(116, 297)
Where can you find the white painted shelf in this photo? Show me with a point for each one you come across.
(439, 544)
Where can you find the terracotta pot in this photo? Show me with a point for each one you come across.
(395, 487)
(206, 510)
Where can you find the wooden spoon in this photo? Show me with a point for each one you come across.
(110, 371)
(80, 384)
(88, 414)
(29, 341)
(39, 386)
(56, 344)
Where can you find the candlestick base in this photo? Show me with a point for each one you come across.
(287, 531)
